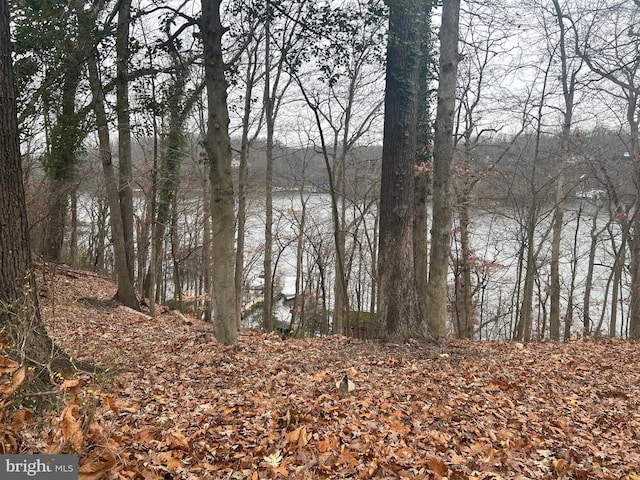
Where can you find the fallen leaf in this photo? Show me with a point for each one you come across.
(437, 466)
(16, 380)
(176, 440)
(71, 427)
(171, 460)
(20, 418)
(274, 459)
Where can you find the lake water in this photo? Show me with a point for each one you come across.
(496, 237)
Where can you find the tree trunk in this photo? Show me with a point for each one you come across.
(424, 161)
(206, 252)
(420, 239)
(150, 290)
(568, 89)
(73, 238)
(299, 300)
(634, 239)
(341, 308)
(463, 297)
(61, 159)
(56, 219)
(399, 316)
(125, 164)
(558, 216)
(126, 293)
(436, 314)
(218, 149)
(568, 318)
(101, 235)
(19, 310)
(243, 178)
(588, 282)
(175, 257)
(526, 311)
(267, 304)
(618, 268)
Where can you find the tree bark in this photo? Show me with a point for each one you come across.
(218, 149)
(399, 316)
(424, 161)
(73, 238)
(125, 164)
(243, 179)
(126, 293)
(19, 310)
(464, 308)
(267, 304)
(436, 314)
(634, 239)
(568, 81)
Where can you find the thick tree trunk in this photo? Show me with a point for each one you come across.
(173, 143)
(399, 315)
(267, 304)
(19, 311)
(206, 252)
(218, 149)
(436, 314)
(168, 184)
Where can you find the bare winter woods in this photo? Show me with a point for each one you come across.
(375, 169)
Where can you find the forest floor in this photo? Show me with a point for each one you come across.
(175, 404)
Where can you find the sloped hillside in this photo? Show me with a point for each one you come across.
(177, 405)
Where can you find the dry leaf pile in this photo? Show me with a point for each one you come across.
(184, 407)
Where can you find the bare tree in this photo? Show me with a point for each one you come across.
(608, 42)
(570, 68)
(345, 109)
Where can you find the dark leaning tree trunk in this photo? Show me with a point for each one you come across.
(399, 315)
(19, 311)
